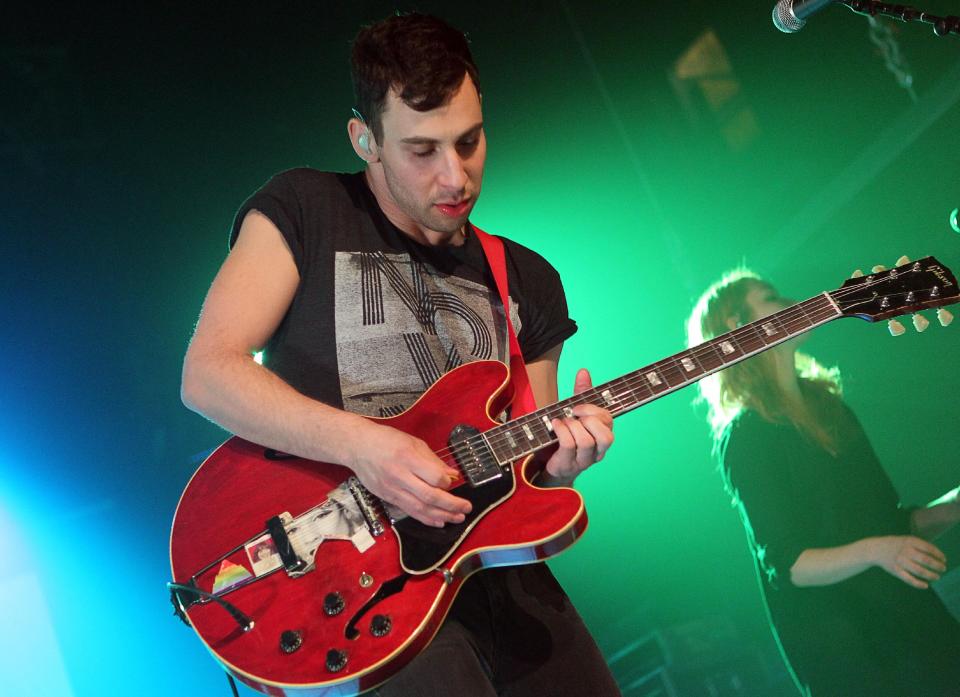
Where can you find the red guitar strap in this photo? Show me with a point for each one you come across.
(523, 402)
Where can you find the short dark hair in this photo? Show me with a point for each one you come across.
(421, 57)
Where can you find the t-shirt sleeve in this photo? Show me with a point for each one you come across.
(538, 291)
(279, 200)
(781, 521)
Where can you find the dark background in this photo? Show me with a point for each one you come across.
(644, 149)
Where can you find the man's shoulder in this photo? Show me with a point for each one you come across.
(311, 179)
(523, 256)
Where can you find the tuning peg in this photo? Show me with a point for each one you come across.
(945, 316)
(920, 323)
(896, 329)
(903, 260)
(857, 274)
(878, 268)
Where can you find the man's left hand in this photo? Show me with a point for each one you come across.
(583, 439)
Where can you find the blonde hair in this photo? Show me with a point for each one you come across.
(751, 384)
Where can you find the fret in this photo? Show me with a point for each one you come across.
(505, 444)
(771, 329)
(537, 434)
(691, 366)
(749, 339)
(672, 373)
(727, 349)
(799, 320)
(528, 432)
(625, 397)
(708, 356)
(822, 307)
(653, 380)
(609, 401)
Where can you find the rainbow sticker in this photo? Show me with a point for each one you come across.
(229, 575)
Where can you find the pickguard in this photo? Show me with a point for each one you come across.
(423, 548)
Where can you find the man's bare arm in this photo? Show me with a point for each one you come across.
(247, 301)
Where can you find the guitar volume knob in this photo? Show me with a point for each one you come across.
(290, 641)
(333, 604)
(380, 625)
(336, 660)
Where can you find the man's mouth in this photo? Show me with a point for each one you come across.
(455, 210)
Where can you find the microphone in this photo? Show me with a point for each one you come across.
(789, 16)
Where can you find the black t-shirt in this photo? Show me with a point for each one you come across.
(871, 634)
(377, 317)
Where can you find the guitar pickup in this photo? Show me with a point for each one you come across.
(473, 455)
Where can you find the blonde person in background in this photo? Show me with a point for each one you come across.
(844, 568)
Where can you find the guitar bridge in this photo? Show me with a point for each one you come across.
(292, 564)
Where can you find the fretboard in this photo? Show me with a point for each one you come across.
(534, 431)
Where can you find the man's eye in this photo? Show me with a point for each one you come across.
(423, 153)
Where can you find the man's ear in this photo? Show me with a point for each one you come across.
(361, 138)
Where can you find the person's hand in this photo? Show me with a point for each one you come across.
(402, 471)
(913, 560)
(583, 439)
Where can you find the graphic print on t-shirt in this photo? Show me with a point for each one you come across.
(412, 325)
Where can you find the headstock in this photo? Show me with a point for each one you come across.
(909, 287)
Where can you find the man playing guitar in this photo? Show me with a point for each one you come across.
(362, 290)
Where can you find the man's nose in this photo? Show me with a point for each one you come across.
(453, 174)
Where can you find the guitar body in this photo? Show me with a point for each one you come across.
(241, 485)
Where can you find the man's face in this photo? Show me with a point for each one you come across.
(433, 161)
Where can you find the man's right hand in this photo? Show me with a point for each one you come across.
(402, 470)
(913, 560)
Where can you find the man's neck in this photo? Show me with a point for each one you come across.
(403, 222)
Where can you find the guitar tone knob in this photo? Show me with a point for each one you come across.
(290, 641)
(333, 604)
(380, 625)
(336, 660)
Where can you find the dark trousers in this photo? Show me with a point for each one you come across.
(511, 633)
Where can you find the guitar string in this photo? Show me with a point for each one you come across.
(799, 313)
(706, 354)
(798, 317)
(809, 314)
(788, 318)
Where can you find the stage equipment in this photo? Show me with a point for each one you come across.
(790, 16)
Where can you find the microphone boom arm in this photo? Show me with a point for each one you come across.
(942, 26)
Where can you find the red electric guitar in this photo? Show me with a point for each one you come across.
(300, 582)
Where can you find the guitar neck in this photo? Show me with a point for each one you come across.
(532, 432)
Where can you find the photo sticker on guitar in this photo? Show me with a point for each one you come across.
(263, 555)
